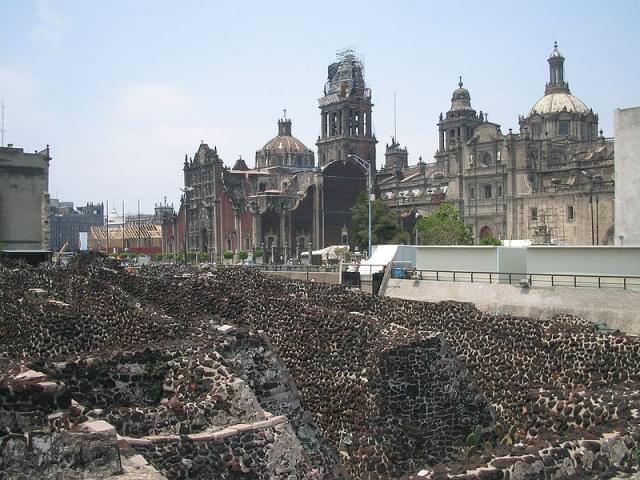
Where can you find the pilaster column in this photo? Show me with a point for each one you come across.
(315, 234)
(256, 234)
(368, 133)
(281, 235)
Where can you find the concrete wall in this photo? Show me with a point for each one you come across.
(586, 260)
(616, 308)
(24, 198)
(581, 260)
(627, 171)
(405, 253)
(512, 259)
(464, 258)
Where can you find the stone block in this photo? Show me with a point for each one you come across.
(97, 426)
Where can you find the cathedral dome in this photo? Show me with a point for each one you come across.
(557, 96)
(284, 149)
(559, 102)
(285, 142)
(460, 99)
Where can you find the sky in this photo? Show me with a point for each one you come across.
(122, 90)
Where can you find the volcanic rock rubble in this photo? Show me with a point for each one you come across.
(230, 373)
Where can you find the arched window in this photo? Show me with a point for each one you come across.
(485, 159)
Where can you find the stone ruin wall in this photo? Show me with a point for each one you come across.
(245, 368)
(66, 454)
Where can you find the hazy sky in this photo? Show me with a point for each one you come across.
(123, 90)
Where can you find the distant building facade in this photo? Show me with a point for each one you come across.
(66, 223)
(627, 204)
(552, 182)
(24, 199)
(286, 204)
(147, 234)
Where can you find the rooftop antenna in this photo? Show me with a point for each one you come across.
(2, 127)
(395, 121)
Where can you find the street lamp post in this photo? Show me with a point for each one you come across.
(273, 253)
(367, 165)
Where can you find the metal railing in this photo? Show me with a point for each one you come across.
(626, 282)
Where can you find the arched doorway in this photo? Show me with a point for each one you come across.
(204, 236)
(485, 232)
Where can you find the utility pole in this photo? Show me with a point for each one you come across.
(107, 227)
(2, 125)
(123, 225)
(366, 165)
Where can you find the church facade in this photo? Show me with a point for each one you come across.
(553, 182)
(286, 204)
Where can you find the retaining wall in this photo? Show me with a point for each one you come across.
(617, 308)
(321, 277)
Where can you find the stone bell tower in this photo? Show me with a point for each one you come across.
(345, 112)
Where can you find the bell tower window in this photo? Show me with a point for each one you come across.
(563, 127)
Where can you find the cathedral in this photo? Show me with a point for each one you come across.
(287, 204)
(550, 183)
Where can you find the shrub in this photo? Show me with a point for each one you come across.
(490, 240)
(258, 254)
(242, 255)
(228, 254)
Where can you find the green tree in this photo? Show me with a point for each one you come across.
(385, 223)
(490, 240)
(444, 228)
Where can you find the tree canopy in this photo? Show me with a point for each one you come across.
(385, 224)
(490, 240)
(444, 228)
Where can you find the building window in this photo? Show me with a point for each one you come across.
(536, 130)
(498, 157)
(485, 159)
(472, 193)
(488, 191)
(563, 127)
(499, 190)
(571, 214)
(534, 213)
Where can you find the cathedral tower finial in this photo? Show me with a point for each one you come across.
(460, 82)
(284, 126)
(556, 72)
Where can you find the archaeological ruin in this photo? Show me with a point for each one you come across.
(173, 372)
